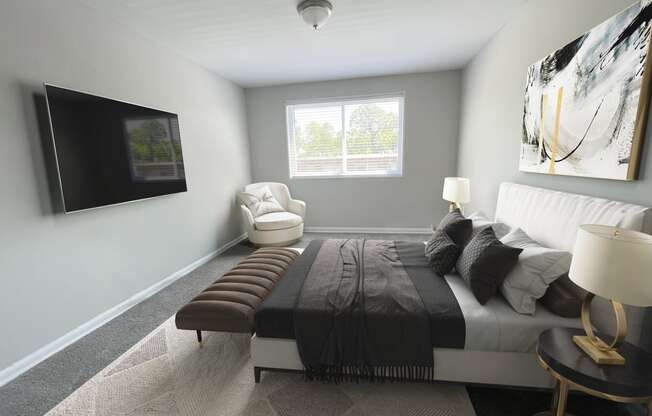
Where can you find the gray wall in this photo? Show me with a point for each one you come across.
(59, 271)
(430, 131)
(492, 102)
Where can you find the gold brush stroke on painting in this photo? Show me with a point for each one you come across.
(555, 137)
(544, 104)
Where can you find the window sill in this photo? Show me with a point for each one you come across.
(380, 176)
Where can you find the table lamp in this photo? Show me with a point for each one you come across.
(457, 191)
(615, 264)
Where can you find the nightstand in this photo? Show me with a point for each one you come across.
(571, 368)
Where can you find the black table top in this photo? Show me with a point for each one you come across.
(632, 380)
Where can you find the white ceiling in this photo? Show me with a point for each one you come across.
(265, 42)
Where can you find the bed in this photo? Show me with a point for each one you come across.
(497, 343)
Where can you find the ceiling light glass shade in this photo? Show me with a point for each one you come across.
(315, 12)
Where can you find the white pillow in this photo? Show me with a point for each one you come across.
(480, 221)
(536, 269)
(260, 201)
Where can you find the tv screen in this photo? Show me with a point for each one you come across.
(110, 152)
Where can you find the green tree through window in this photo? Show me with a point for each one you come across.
(372, 130)
(318, 140)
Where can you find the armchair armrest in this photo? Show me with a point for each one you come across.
(298, 207)
(247, 216)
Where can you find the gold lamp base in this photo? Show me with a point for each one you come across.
(599, 351)
(598, 355)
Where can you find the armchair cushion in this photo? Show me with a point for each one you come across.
(260, 201)
(277, 221)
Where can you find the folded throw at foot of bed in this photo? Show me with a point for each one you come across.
(361, 315)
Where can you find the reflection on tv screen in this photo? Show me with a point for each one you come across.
(154, 148)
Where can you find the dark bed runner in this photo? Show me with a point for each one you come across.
(447, 326)
(275, 316)
(408, 309)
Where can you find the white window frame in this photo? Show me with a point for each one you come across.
(342, 101)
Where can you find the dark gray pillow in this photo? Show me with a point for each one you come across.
(457, 227)
(485, 262)
(442, 252)
(564, 298)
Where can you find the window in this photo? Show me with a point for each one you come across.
(350, 137)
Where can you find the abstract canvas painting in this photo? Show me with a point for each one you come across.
(586, 104)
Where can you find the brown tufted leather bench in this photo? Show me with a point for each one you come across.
(229, 304)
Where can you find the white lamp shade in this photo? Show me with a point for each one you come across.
(457, 190)
(614, 263)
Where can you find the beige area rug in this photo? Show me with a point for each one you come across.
(168, 374)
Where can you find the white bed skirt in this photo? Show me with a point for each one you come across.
(515, 369)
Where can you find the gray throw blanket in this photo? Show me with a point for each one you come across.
(359, 315)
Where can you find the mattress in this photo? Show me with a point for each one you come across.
(495, 326)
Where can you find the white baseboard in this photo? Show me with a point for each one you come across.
(369, 230)
(21, 366)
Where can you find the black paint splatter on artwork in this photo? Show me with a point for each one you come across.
(642, 19)
(559, 60)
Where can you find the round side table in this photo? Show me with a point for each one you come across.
(571, 368)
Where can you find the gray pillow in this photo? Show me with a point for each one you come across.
(537, 268)
(442, 252)
(481, 221)
(485, 262)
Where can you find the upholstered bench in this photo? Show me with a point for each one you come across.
(229, 304)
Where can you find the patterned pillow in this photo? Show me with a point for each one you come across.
(457, 227)
(442, 252)
(485, 262)
(261, 201)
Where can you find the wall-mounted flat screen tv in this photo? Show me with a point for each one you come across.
(111, 152)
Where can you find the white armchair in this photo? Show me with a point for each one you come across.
(275, 228)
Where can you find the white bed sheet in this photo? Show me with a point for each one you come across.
(495, 326)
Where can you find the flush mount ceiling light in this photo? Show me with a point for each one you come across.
(315, 12)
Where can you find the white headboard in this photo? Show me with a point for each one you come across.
(553, 217)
